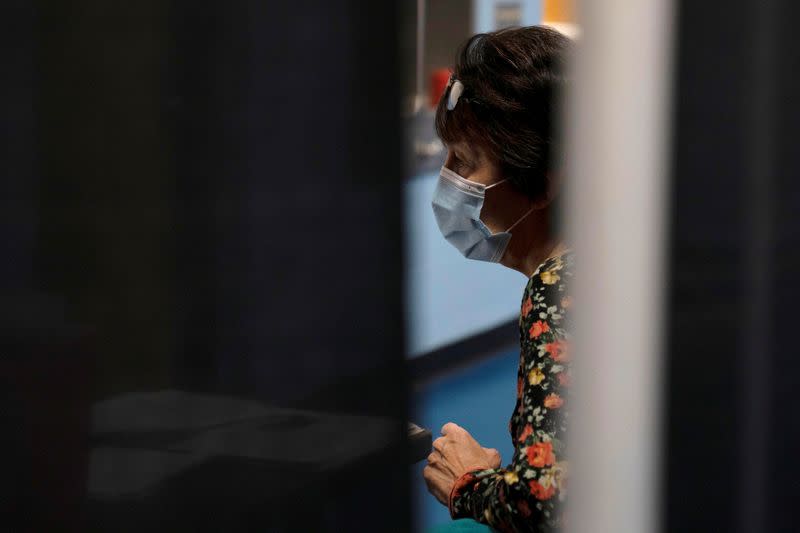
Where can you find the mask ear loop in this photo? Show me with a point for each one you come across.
(487, 187)
(531, 210)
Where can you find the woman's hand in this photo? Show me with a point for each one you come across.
(454, 454)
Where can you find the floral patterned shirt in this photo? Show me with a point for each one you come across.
(527, 494)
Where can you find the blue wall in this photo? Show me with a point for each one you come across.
(484, 13)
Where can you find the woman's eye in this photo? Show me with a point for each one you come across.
(461, 166)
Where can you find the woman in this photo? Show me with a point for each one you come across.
(496, 201)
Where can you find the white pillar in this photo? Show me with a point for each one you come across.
(617, 137)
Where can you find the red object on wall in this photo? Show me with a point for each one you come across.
(439, 79)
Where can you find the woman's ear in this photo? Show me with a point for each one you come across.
(552, 189)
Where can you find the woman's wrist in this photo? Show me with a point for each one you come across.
(465, 480)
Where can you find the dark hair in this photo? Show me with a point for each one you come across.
(511, 79)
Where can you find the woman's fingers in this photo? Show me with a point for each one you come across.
(450, 428)
(439, 443)
(438, 483)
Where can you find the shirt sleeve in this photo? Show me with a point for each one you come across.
(527, 494)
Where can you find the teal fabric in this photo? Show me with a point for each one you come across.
(462, 525)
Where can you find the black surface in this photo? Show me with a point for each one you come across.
(213, 462)
(420, 442)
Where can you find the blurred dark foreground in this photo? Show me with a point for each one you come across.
(201, 256)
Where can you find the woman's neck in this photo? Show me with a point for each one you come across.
(532, 243)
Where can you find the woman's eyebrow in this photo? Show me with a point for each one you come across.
(464, 154)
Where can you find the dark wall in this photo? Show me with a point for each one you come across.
(300, 168)
(105, 236)
(781, 468)
(219, 190)
(16, 145)
(733, 292)
(204, 196)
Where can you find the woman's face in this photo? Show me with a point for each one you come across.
(503, 205)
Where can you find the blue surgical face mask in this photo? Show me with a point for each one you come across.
(457, 204)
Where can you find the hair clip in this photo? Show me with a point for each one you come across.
(455, 93)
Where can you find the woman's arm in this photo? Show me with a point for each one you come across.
(525, 496)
